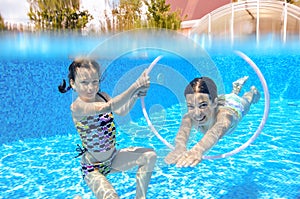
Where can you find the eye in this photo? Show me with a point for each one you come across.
(203, 105)
(95, 82)
(84, 82)
(190, 107)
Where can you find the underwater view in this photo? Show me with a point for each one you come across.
(38, 139)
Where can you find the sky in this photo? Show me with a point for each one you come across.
(14, 10)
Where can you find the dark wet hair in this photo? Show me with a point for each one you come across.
(78, 63)
(202, 85)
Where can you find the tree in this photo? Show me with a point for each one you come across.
(57, 14)
(295, 2)
(2, 26)
(160, 16)
(128, 15)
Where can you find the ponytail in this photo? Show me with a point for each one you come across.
(62, 87)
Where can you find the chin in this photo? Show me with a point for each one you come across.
(89, 98)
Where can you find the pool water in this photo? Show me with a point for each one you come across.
(38, 139)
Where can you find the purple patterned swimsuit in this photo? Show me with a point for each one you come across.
(98, 134)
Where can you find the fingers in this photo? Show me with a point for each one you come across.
(170, 160)
(188, 160)
(142, 93)
(185, 162)
(196, 161)
(143, 80)
(182, 161)
(172, 157)
(142, 84)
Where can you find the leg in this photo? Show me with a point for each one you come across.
(97, 182)
(100, 186)
(143, 158)
(251, 97)
(238, 84)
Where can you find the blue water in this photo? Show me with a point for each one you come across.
(38, 139)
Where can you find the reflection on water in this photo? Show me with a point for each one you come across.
(36, 168)
(38, 139)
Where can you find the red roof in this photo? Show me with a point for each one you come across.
(195, 9)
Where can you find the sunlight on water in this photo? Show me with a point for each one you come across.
(38, 139)
(46, 168)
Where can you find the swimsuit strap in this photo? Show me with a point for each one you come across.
(80, 150)
(102, 96)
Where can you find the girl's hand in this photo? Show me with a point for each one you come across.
(142, 92)
(173, 156)
(190, 158)
(143, 81)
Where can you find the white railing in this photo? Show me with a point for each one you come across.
(258, 7)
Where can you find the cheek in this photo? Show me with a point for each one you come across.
(80, 87)
(190, 111)
(96, 87)
(210, 112)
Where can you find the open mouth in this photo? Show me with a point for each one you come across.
(200, 119)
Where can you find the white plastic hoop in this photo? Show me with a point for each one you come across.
(246, 144)
(146, 114)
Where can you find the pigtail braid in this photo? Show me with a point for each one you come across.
(62, 87)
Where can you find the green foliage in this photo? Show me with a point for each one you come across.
(57, 14)
(2, 25)
(160, 16)
(128, 15)
(295, 2)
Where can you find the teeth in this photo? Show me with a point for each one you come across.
(199, 120)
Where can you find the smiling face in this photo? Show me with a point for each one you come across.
(201, 109)
(86, 83)
(201, 99)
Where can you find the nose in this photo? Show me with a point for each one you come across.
(197, 113)
(90, 86)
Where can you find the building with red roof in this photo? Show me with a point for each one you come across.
(191, 10)
(232, 19)
(195, 9)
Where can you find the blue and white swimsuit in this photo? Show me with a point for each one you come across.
(233, 103)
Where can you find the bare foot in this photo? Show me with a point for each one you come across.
(238, 84)
(256, 94)
(77, 197)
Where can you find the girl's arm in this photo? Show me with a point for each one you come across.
(212, 136)
(124, 102)
(127, 105)
(180, 141)
(183, 133)
(120, 104)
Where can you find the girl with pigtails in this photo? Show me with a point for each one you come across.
(93, 116)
